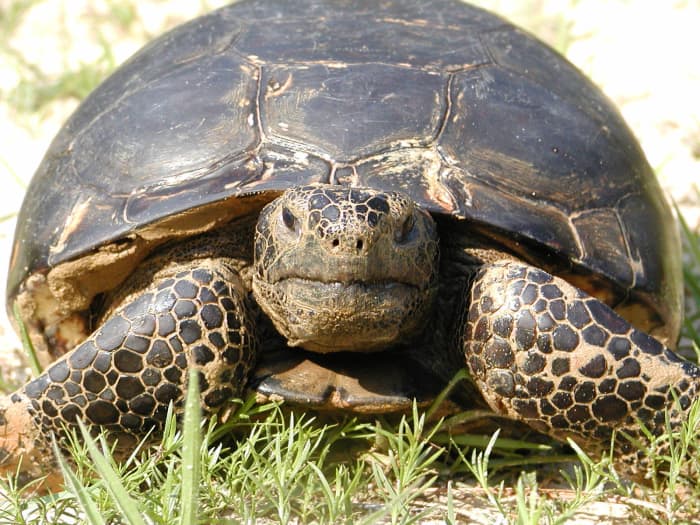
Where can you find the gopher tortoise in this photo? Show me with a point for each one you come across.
(341, 204)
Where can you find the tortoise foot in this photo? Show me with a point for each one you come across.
(125, 375)
(546, 353)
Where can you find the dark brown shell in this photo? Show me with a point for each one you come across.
(468, 114)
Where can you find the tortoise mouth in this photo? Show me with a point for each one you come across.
(336, 316)
(352, 286)
(371, 383)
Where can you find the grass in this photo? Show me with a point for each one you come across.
(36, 89)
(267, 464)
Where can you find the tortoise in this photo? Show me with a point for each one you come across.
(340, 205)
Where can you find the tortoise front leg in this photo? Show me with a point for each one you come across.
(124, 376)
(544, 352)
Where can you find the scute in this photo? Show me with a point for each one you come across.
(347, 112)
(392, 35)
(452, 105)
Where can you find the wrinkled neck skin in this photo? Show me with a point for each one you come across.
(341, 269)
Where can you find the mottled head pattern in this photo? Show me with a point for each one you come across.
(340, 268)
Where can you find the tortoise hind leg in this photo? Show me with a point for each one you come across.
(123, 377)
(546, 353)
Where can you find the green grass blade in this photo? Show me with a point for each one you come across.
(18, 180)
(531, 460)
(117, 491)
(26, 342)
(92, 512)
(482, 441)
(189, 489)
(692, 240)
(459, 376)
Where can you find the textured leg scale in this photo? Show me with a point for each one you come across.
(123, 377)
(546, 353)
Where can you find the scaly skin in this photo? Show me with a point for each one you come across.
(123, 377)
(341, 268)
(347, 269)
(546, 353)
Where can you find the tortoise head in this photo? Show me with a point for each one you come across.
(345, 269)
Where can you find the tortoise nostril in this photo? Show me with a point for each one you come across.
(359, 244)
(336, 243)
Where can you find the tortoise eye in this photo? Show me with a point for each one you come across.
(289, 220)
(407, 228)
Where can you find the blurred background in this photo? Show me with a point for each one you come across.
(643, 54)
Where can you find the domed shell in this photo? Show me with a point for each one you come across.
(469, 115)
